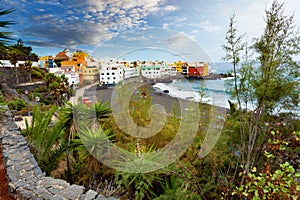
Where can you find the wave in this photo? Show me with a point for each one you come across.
(212, 97)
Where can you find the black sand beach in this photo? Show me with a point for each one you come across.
(170, 104)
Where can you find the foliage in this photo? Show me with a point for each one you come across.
(139, 185)
(280, 184)
(38, 73)
(58, 87)
(267, 88)
(1, 98)
(276, 48)
(18, 104)
(102, 109)
(233, 48)
(5, 36)
(33, 95)
(93, 145)
(175, 188)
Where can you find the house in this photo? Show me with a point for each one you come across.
(197, 69)
(151, 71)
(73, 78)
(84, 65)
(111, 72)
(184, 70)
(178, 66)
(91, 70)
(47, 62)
(62, 56)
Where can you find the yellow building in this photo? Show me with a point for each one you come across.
(46, 62)
(91, 70)
(77, 63)
(205, 70)
(178, 66)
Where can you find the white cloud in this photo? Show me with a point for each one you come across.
(170, 8)
(207, 26)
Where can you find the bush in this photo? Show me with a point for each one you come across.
(1, 98)
(18, 104)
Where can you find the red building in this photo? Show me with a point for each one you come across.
(197, 69)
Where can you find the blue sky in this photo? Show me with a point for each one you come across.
(170, 30)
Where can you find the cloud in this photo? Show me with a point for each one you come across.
(87, 22)
(207, 26)
(170, 8)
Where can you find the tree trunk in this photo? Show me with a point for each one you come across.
(16, 73)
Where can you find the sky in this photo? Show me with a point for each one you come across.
(169, 30)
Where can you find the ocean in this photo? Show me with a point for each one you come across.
(213, 92)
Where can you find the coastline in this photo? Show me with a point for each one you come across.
(157, 97)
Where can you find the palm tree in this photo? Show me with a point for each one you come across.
(42, 137)
(13, 54)
(5, 36)
(71, 117)
(28, 65)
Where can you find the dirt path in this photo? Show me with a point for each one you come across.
(3, 180)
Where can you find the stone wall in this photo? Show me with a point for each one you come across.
(26, 179)
(8, 75)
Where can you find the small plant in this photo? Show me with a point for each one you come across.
(18, 104)
(279, 183)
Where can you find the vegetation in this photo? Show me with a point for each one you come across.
(259, 87)
(256, 156)
(5, 36)
(18, 104)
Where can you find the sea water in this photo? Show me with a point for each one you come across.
(213, 92)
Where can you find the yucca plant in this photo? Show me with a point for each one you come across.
(93, 143)
(102, 110)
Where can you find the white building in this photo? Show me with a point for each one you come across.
(73, 78)
(111, 72)
(6, 63)
(130, 72)
(152, 72)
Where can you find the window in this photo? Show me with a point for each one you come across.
(113, 73)
(107, 73)
(114, 77)
(102, 74)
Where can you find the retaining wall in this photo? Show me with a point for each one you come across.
(26, 179)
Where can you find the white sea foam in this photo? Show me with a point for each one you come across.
(210, 97)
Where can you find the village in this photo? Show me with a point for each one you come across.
(79, 67)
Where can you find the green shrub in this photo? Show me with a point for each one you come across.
(18, 104)
(1, 98)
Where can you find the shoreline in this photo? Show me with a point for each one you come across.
(157, 97)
